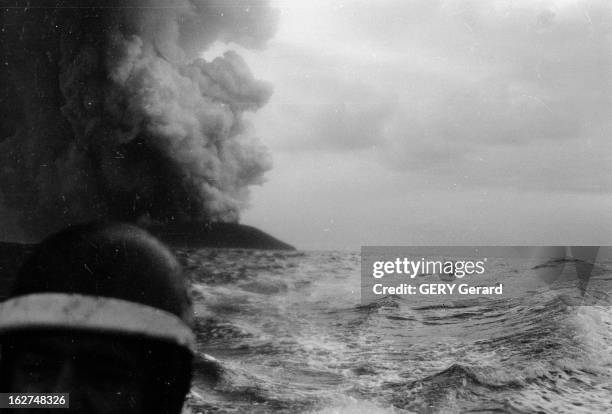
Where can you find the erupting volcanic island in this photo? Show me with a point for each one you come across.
(217, 235)
(112, 113)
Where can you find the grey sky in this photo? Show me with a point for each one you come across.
(397, 122)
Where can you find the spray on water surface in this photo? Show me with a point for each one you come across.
(290, 335)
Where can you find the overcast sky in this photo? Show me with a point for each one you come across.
(402, 122)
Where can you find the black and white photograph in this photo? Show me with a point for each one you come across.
(309, 207)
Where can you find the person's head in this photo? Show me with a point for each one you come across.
(102, 312)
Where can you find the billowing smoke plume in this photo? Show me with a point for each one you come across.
(109, 112)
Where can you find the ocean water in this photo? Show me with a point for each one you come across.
(289, 334)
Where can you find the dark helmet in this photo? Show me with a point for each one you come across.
(113, 280)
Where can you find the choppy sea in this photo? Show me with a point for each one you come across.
(286, 332)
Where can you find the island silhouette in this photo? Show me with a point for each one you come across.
(176, 235)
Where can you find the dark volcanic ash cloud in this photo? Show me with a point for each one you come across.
(110, 112)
